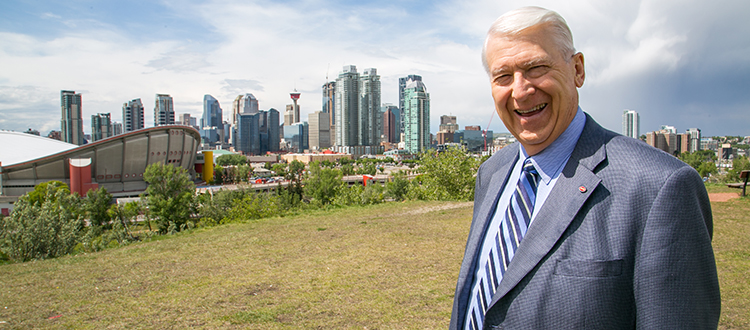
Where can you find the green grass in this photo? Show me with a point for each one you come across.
(390, 266)
(721, 188)
(732, 251)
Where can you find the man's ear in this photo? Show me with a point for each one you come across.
(580, 74)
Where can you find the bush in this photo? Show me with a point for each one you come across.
(446, 175)
(226, 160)
(739, 164)
(214, 208)
(360, 195)
(255, 206)
(96, 205)
(171, 196)
(322, 184)
(46, 225)
(398, 188)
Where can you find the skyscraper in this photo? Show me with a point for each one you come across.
(631, 124)
(244, 103)
(212, 128)
(329, 92)
(695, 139)
(347, 106)
(132, 115)
(248, 134)
(416, 117)
(329, 106)
(296, 136)
(274, 136)
(319, 130)
(163, 110)
(357, 104)
(188, 120)
(116, 128)
(370, 120)
(448, 124)
(101, 126)
(391, 123)
(402, 82)
(289, 114)
(72, 117)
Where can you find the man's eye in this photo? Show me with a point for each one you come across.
(503, 79)
(537, 71)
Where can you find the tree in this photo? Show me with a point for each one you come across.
(739, 164)
(701, 160)
(42, 191)
(96, 206)
(45, 228)
(367, 168)
(322, 184)
(347, 169)
(234, 159)
(707, 168)
(294, 174)
(123, 215)
(280, 169)
(447, 175)
(398, 187)
(171, 196)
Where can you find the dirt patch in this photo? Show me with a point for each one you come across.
(446, 206)
(722, 197)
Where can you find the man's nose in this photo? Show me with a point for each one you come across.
(522, 87)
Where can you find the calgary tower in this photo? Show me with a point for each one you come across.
(295, 96)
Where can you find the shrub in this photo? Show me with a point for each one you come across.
(255, 206)
(398, 188)
(96, 206)
(225, 160)
(171, 196)
(42, 228)
(447, 175)
(214, 208)
(322, 184)
(360, 195)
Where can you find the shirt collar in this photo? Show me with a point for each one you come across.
(550, 161)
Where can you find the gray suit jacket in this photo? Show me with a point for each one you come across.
(629, 250)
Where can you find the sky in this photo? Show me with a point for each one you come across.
(679, 63)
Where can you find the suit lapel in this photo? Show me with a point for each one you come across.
(489, 203)
(564, 202)
(482, 213)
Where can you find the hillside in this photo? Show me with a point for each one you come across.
(389, 266)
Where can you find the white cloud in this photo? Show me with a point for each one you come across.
(270, 48)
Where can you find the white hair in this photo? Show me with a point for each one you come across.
(513, 24)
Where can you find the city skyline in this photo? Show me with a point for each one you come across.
(680, 64)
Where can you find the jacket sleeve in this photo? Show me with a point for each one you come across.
(675, 280)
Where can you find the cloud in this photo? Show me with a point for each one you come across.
(23, 107)
(51, 16)
(180, 60)
(234, 87)
(666, 59)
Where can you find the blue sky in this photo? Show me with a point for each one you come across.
(679, 63)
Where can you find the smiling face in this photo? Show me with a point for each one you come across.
(534, 86)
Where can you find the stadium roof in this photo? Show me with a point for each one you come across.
(17, 147)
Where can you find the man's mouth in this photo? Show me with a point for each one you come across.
(532, 110)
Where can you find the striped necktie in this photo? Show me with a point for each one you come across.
(513, 227)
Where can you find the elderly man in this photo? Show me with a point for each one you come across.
(577, 227)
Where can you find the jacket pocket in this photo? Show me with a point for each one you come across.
(589, 268)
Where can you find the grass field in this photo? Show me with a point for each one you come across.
(390, 266)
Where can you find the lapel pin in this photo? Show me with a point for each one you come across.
(582, 189)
